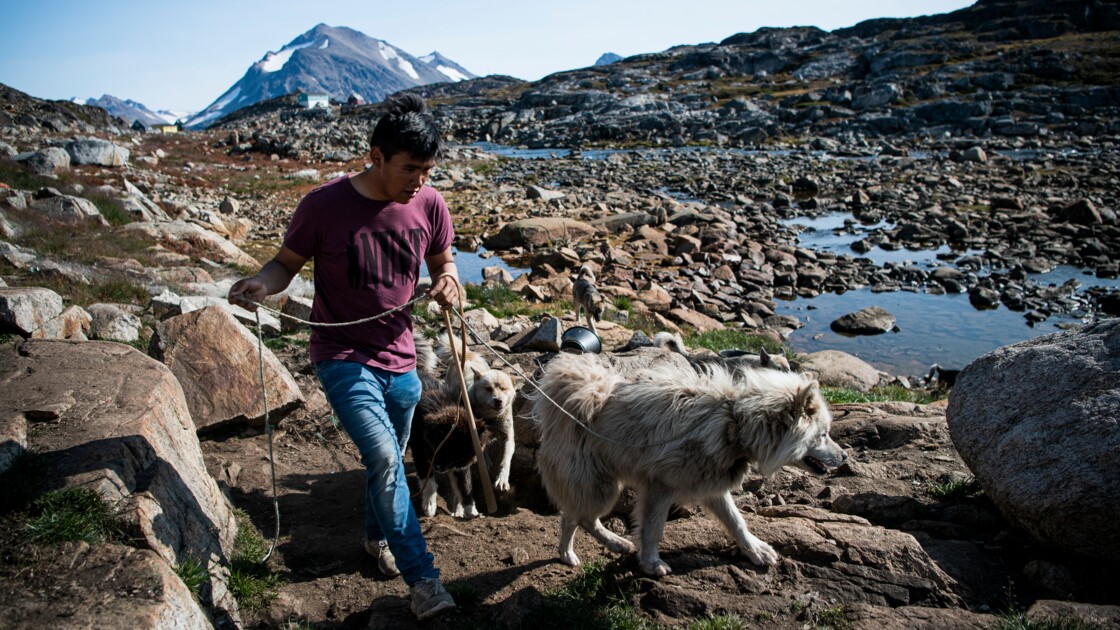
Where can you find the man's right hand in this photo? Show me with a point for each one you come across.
(248, 289)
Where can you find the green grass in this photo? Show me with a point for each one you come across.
(730, 338)
(73, 514)
(15, 175)
(111, 209)
(886, 393)
(1018, 621)
(955, 490)
(592, 601)
(193, 574)
(833, 618)
(504, 302)
(718, 622)
(113, 289)
(465, 593)
(284, 342)
(253, 584)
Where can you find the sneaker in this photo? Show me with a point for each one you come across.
(429, 598)
(385, 561)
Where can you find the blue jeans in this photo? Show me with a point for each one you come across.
(375, 407)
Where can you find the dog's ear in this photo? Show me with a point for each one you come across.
(476, 373)
(806, 401)
(764, 358)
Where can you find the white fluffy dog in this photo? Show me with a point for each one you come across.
(491, 394)
(676, 434)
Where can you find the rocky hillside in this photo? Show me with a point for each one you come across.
(1000, 67)
(22, 111)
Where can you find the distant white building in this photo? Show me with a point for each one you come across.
(309, 101)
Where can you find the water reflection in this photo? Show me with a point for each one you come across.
(943, 329)
(471, 264)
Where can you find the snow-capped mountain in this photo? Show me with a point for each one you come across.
(336, 61)
(127, 109)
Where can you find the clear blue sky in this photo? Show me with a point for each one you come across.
(183, 55)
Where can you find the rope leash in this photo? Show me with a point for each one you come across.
(466, 327)
(478, 338)
(269, 429)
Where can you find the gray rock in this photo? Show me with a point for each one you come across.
(119, 426)
(47, 161)
(29, 311)
(216, 361)
(539, 232)
(294, 306)
(840, 369)
(104, 584)
(544, 338)
(544, 194)
(110, 323)
(873, 320)
(67, 208)
(97, 152)
(1035, 422)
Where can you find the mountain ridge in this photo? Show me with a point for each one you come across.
(338, 61)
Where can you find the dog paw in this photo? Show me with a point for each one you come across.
(470, 513)
(622, 546)
(570, 558)
(502, 484)
(656, 568)
(762, 554)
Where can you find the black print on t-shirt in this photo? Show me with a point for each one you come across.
(383, 259)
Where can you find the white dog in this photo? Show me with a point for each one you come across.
(491, 394)
(676, 434)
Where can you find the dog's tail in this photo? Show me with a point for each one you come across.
(670, 341)
(426, 360)
(443, 345)
(576, 384)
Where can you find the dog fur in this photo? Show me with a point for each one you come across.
(676, 434)
(491, 393)
(587, 298)
(443, 450)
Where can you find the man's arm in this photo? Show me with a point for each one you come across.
(445, 278)
(274, 277)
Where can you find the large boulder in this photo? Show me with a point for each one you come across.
(47, 161)
(31, 312)
(1036, 422)
(873, 320)
(216, 361)
(97, 152)
(193, 240)
(539, 232)
(111, 419)
(67, 208)
(834, 368)
(99, 586)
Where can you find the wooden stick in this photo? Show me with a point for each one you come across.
(483, 473)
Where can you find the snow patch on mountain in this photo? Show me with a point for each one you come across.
(452, 73)
(275, 61)
(390, 54)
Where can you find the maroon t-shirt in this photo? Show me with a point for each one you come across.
(367, 256)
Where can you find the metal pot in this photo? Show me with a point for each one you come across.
(580, 340)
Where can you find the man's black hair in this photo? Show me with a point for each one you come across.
(407, 125)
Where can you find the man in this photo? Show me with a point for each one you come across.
(367, 233)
